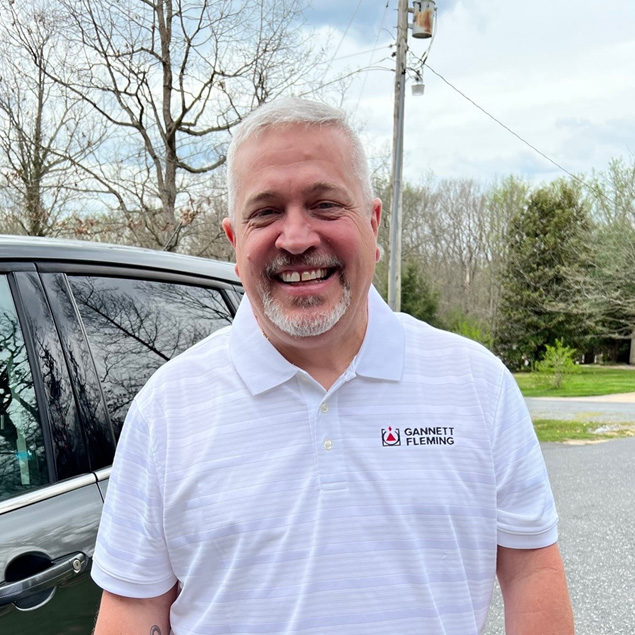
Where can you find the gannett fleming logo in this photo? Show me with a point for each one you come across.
(429, 435)
(390, 436)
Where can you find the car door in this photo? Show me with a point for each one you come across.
(98, 333)
(135, 324)
(50, 502)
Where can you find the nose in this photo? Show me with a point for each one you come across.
(297, 233)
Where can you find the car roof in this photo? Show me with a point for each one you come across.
(36, 249)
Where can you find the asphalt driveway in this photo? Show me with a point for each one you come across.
(594, 486)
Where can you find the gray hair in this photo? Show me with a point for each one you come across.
(290, 111)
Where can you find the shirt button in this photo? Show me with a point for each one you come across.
(325, 407)
(328, 444)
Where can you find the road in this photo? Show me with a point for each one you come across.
(608, 409)
(594, 486)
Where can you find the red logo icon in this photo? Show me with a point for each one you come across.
(390, 436)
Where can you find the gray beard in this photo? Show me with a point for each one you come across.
(306, 325)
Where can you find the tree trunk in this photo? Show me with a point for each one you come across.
(631, 357)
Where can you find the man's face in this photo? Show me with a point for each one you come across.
(305, 239)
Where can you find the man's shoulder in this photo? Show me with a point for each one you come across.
(446, 346)
(204, 359)
(457, 367)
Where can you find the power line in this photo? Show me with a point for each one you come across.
(348, 26)
(594, 190)
(381, 26)
(582, 182)
(343, 57)
(500, 123)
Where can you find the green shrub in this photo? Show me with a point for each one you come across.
(474, 331)
(557, 362)
(470, 327)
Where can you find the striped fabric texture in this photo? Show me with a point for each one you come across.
(374, 508)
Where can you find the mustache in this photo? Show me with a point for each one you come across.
(290, 261)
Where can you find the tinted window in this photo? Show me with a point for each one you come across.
(134, 326)
(22, 454)
(100, 442)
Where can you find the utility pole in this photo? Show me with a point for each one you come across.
(394, 267)
(424, 26)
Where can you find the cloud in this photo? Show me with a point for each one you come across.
(363, 17)
(559, 77)
(598, 141)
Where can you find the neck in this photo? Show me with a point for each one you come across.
(324, 357)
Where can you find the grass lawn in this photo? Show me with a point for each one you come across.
(587, 382)
(556, 430)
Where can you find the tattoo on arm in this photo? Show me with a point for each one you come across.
(155, 630)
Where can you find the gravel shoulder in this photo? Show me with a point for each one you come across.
(624, 397)
(605, 409)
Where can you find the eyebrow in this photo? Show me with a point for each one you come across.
(261, 197)
(316, 188)
(324, 186)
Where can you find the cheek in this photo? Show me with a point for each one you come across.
(248, 249)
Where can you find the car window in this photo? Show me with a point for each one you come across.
(22, 453)
(135, 326)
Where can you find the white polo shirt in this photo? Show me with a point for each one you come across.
(374, 508)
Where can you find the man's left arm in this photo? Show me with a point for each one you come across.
(534, 591)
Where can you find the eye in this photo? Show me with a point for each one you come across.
(326, 208)
(262, 216)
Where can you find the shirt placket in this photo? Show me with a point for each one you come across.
(326, 433)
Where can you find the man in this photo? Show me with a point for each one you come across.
(324, 465)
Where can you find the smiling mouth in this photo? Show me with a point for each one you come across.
(312, 275)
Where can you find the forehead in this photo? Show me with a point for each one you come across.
(293, 145)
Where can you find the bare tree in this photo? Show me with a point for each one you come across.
(611, 290)
(171, 78)
(455, 229)
(613, 192)
(504, 200)
(459, 229)
(43, 131)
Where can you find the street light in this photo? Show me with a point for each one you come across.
(418, 87)
(423, 27)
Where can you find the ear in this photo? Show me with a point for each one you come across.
(229, 231)
(375, 218)
(231, 236)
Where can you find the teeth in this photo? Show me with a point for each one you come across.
(294, 276)
(313, 275)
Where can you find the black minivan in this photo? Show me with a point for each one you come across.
(82, 327)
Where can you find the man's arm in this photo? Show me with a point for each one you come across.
(534, 591)
(119, 615)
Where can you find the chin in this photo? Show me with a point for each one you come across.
(307, 322)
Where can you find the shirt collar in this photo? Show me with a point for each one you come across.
(256, 360)
(383, 350)
(262, 367)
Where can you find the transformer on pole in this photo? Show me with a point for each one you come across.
(423, 27)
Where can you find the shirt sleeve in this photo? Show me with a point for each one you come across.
(526, 512)
(131, 557)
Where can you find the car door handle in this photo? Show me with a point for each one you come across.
(60, 570)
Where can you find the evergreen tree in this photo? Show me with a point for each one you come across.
(418, 298)
(548, 246)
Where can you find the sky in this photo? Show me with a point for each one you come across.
(561, 75)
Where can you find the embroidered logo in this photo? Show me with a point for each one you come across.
(438, 435)
(390, 436)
